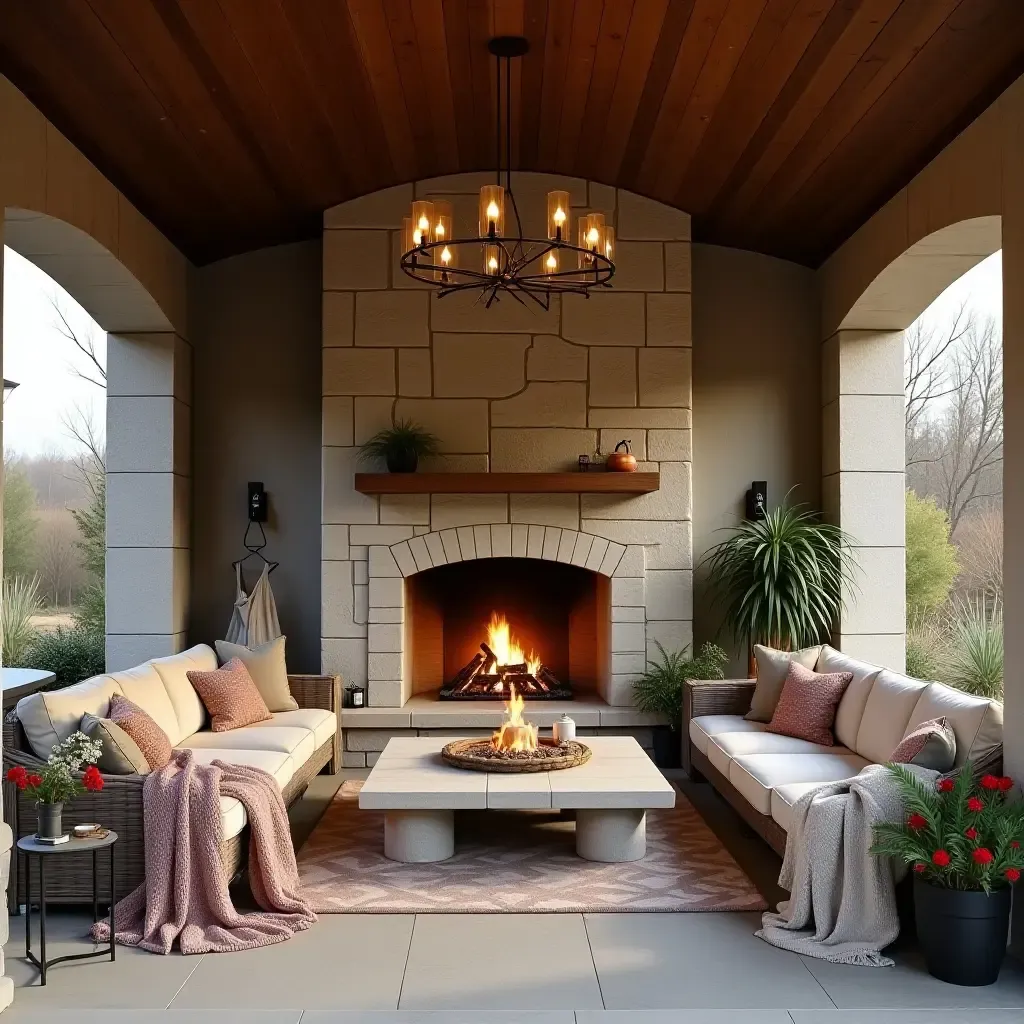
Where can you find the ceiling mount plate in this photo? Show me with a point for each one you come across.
(508, 46)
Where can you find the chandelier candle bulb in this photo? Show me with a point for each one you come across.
(492, 211)
(423, 221)
(559, 211)
(609, 242)
(595, 232)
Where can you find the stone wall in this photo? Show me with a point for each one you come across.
(512, 389)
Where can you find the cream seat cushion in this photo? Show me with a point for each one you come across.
(52, 716)
(756, 775)
(297, 742)
(784, 797)
(855, 696)
(886, 714)
(725, 746)
(706, 726)
(279, 765)
(322, 724)
(144, 686)
(977, 722)
(188, 708)
(232, 817)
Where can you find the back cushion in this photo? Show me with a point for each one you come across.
(977, 722)
(188, 708)
(851, 707)
(886, 714)
(51, 717)
(143, 686)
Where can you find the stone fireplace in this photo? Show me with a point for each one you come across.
(408, 579)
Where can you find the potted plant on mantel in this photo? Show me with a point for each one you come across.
(400, 447)
(660, 691)
(963, 841)
(57, 783)
(780, 580)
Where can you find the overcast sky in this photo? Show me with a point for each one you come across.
(43, 361)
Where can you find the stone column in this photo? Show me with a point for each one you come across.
(148, 495)
(863, 484)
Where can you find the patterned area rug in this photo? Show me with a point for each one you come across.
(518, 862)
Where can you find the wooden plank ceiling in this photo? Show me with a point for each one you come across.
(781, 125)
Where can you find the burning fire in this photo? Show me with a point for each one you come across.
(506, 648)
(515, 733)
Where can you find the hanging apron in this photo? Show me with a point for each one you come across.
(254, 617)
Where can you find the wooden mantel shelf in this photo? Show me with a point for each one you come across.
(507, 483)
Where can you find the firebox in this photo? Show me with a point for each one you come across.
(476, 629)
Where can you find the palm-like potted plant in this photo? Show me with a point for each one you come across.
(963, 841)
(781, 579)
(660, 691)
(400, 447)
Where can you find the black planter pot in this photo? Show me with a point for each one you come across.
(667, 748)
(402, 461)
(962, 934)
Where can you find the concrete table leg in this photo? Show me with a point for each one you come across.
(611, 835)
(419, 837)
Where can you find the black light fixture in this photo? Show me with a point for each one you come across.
(498, 260)
(757, 500)
(9, 386)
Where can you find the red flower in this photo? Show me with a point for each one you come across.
(982, 856)
(917, 822)
(940, 858)
(989, 782)
(1006, 783)
(35, 780)
(919, 867)
(1014, 844)
(92, 779)
(18, 776)
(971, 833)
(945, 785)
(1012, 874)
(974, 804)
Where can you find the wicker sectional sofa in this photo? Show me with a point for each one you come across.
(293, 747)
(762, 774)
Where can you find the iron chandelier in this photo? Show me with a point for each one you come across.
(497, 260)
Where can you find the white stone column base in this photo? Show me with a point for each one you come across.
(611, 835)
(419, 837)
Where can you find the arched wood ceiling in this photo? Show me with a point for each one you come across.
(781, 125)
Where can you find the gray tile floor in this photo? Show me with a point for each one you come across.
(504, 969)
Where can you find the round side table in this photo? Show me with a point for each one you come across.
(30, 848)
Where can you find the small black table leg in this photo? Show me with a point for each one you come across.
(27, 858)
(113, 903)
(42, 918)
(95, 896)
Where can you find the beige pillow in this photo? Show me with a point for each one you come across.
(121, 754)
(772, 669)
(267, 667)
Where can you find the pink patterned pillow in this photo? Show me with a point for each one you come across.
(230, 696)
(931, 745)
(148, 736)
(807, 706)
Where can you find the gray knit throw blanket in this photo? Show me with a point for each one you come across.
(184, 897)
(842, 904)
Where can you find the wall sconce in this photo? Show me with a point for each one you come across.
(757, 500)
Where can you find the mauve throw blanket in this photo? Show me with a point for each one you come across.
(185, 895)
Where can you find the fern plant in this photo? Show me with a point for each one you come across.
(400, 447)
(957, 834)
(660, 689)
(781, 579)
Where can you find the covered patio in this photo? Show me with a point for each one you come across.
(788, 186)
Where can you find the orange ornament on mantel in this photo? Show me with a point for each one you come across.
(622, 462)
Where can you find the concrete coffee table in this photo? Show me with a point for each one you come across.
(419, 794)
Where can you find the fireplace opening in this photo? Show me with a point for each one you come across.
(474, 629)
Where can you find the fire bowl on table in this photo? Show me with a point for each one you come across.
(482, 755)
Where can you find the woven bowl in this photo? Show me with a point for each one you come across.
(469, 754)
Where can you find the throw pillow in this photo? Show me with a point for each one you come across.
(772, 668)
(230, 696)
(929, 745)
(151, 739)
(120, 754)
(807, 706)
(267, 667)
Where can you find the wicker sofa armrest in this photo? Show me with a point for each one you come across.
(717, 697)
(311, 691)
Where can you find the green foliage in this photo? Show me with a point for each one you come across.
(92, 529)
(19, 601)
(780, 580)
(931, 557)
(19, 526)
(976, 642)
(941, 819)
(927, 649)
(72, 654)
(660, 689)
(404, 438)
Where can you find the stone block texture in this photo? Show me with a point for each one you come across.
(506, 389)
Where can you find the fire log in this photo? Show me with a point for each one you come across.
(468, 672)
(547, 678)
(519, 669)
